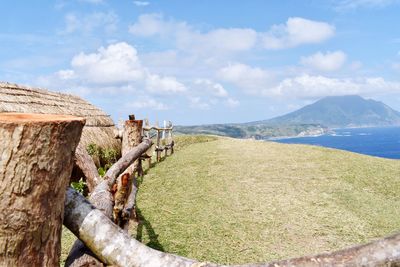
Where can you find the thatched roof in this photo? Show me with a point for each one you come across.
(99, 126)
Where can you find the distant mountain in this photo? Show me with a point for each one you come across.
(314, 119)
(341, 111)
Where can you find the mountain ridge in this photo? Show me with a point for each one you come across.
(347, 111)
(342, 112)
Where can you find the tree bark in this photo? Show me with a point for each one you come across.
(158, 146)
(86, 164)
(102, 199)
(124, 162)
(35, 166)
(132, 137)
(115, 247)
(108, 242)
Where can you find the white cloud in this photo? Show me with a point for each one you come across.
(195, 52)
(164, 85)
(93, 1)
(330, 61)
(66, 74)
(230, 102)
(221, 40)
(198, 103)
(189, 39)
(148, 103)
(250, 79)
(215, 89)
(312, 87)
(154, 24)
(115, 68)
(353, 4)
(297, 31)
(205, 94)
(118, 63)
(107, 22)
(141, 3)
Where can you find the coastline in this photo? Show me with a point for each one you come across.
(312, 133)
(381, 142)
(331, 131)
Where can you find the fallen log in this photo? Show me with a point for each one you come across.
(115, 247)
(102, 199)
(109, 242)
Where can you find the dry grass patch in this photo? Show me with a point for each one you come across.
(238, 201)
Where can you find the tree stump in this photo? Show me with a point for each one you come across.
(35, 166)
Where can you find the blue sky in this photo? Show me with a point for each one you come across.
(199, 62)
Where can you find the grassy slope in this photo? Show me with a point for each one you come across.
(238, 201)
(257, 130)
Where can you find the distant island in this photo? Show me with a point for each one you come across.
(348, 111)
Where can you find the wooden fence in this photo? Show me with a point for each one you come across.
(164, 139)
(36, 164)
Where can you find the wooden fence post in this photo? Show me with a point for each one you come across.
(165, 151)
(158, 147)
(35, 166)
(132, 137)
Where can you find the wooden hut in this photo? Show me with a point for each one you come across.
(99, 127)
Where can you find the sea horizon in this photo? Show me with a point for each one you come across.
(381, 142)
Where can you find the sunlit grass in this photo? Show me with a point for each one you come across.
(239, 201)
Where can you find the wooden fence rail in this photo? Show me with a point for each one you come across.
(163, 136)
(101, 240)
(164, 139)
(118, 248)
(133, 135)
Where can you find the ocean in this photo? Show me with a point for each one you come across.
(380, 142)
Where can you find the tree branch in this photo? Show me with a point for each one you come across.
(102, 199)
(85, 162)
(114, 246)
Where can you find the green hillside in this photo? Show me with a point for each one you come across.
(253, 130)
(238, 201)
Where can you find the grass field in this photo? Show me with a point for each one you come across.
(239, 201)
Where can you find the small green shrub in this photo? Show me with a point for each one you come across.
(93, 149)
(101, 171)
(79, 186)
(105, 157)
(109, 156)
